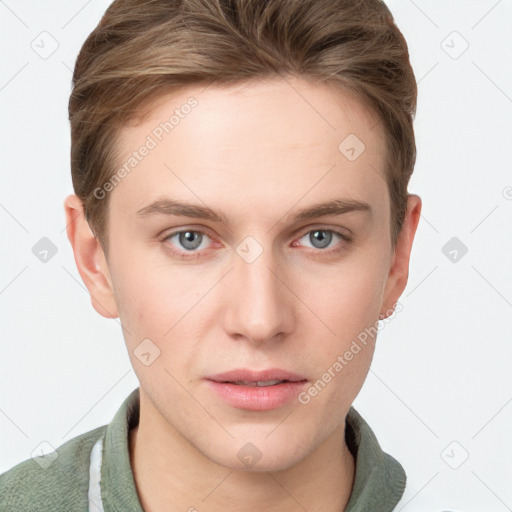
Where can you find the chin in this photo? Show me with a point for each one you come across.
(259, 456)
(262, 466)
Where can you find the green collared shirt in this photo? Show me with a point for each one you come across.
(92, 472)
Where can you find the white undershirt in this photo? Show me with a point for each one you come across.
(94, 494)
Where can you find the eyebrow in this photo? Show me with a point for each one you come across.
(184, 209)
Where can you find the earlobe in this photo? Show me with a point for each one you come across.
(90, 258)
(399, 270)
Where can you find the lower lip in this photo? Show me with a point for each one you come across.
(257, 398)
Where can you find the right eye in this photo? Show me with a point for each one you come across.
(187, 241)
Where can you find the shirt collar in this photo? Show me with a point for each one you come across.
(118, 491)
(379, 480)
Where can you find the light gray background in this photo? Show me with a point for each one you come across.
(440, 386)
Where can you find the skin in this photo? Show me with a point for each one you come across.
(258, 152)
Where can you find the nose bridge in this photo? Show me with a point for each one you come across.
(259, 307)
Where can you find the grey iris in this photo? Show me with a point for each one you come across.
(321, 236)
(186, 239)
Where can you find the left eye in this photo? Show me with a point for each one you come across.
(321, 238)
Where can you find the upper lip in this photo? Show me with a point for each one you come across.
(248, 375)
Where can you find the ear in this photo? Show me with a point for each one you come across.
(90, 259)
(399, 270)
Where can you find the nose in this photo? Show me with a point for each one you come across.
(259, 305)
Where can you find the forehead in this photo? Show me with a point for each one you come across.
(269, 140)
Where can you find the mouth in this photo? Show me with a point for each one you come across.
(260, 383)
(246, 375)
(257, 390)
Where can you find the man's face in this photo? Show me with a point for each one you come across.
(261, 288)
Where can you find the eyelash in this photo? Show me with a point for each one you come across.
(190, 255)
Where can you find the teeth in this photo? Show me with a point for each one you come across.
(268, 382)
(260, 383)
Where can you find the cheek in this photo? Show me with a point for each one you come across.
(153, 310)
(138, 298)
(157, 300)
(350, 306)
(144, 300)
(348, 297)
(348, 301)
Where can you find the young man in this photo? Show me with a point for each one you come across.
(240, 170)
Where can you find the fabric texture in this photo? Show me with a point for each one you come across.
(92, 472)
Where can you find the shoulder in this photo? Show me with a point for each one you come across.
(56, 481)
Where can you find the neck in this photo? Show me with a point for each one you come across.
(171, 476)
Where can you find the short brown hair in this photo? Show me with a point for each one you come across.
(144, 49)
